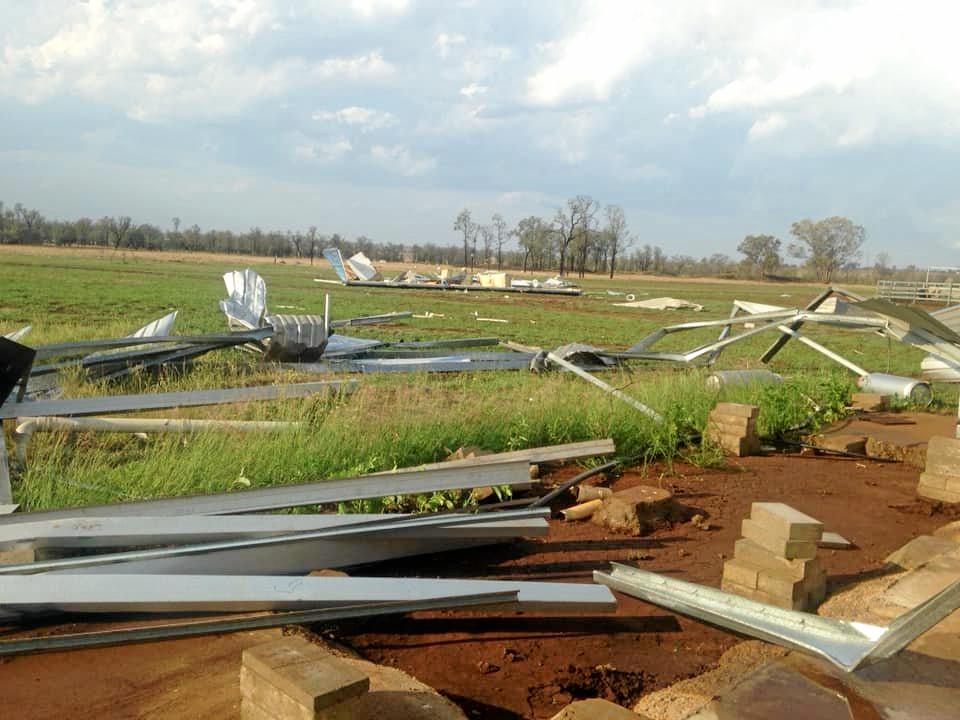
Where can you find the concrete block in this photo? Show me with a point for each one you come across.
(739, 409)
(262, 698)
(738, 446)
(938, 493)
(934, 480)
(595, 709)
(926, 581)
(786, 522)
(951, 531)
(920, 550)
(733, 424)
(760, 596)
(780, 587)
(741, 573)
(252, 711)
(843, 442)
(758, 556)
(305, 673)
(776, 544)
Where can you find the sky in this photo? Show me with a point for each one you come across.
(706, 121)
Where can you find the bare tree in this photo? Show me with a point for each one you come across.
(468, 227)
(577, 218)
(311, 240)
(486, 238)
(296, 239)
(618, 237)
(502, 235)
(119, 227)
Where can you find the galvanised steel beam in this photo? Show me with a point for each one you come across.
(847, 644)
(219, 553)
(91, 533)
(194, 628)
(455, 475)
(155, 401)
(55, 593)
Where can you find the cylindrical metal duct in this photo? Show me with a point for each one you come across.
(735, 378)
(917, 391)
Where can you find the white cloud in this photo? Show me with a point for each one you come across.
(445, 41)
(813, 64)
(473, 89)
(766, 126)
(174, 58)
(399, 158)
(610, 40)
(366, 119)
(372, 8)
(324, 152)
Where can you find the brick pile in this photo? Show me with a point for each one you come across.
(940, 479)
(293, 679)
(732, 426)
(775, 561)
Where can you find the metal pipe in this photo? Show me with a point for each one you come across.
(825, 351)
(649, 412)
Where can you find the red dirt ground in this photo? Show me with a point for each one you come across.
(521, 665)
(544, 662)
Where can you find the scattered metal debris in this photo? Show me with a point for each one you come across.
(357, 272)
(847, 644)
(661, 303)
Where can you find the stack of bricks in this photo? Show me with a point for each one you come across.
(775, 561)
(292, 679)
(940, 479)
(732, 426)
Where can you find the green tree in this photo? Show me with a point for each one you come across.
(761, 253)
(827, 245)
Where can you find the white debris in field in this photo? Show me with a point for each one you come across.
(476, 315)
(662, 303)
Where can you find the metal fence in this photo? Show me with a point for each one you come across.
(919, 291)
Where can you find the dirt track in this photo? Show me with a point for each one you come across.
(517, 665)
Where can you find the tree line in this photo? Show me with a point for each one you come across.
(582, 238)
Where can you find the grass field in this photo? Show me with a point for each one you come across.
(391, 421)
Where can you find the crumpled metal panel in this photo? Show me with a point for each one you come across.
(585, 355)
(362, 266)
(912, 317)
(246, 305)
(335, 259)
(297, 337)
(158, 328)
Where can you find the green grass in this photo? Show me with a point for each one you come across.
(392, 421)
